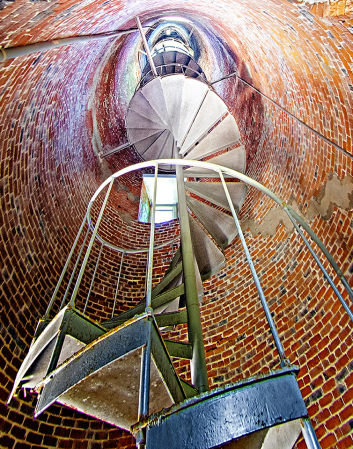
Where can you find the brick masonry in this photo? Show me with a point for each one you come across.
(60, 108)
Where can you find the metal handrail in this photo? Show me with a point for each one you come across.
(242, 177)
(168, 65)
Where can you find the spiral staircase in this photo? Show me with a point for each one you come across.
(121, 370)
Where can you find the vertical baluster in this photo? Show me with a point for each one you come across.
(146, 350)
(284, 360)
(117, 284)
(93, 277)
(52, 300)
(74, 271)
(94, 233)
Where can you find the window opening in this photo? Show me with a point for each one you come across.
(166, 199)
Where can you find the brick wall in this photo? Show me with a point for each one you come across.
(58, 109)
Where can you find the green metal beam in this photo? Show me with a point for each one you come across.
(172, 318)
(179, 349)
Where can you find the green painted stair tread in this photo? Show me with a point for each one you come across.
(179, 349)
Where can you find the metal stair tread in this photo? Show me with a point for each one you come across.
(214, 192)
(222, 136)
(209, 257)
(212, 110)
(234, 159)
(219, 225)
(154, 94)
(141, 106)
(135, 120)
(172, 90)
(193, 95)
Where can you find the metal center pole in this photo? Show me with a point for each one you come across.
(199, 376)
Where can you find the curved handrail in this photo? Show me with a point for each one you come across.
(242, 177)
(168, 65)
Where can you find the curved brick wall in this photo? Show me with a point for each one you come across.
(59, 109)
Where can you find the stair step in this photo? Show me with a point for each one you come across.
(222, 136)
(172, 318)
(141, 106)
(208, 256)
(156, 148)
(194, 93)
(136, 121)
(234, 159)
(179, 349)
(193, 69)
(136, 135)
(158, 301)
(214, 192)
(211, 111)
(77, 331)
(219, 225)
(172, 90)
(142, 146)
(244, 412)
(153, 92)
(88, 381)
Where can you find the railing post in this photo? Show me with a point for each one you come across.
(74, 271)
(118, 282)
(52, 300)
(322, 268)
(284, 361)
(93, 278)
(199, 376)
(145, 44)
(146, 350)
(309, 434)
(94, 233)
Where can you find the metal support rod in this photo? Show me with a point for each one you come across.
(323, 248)
(14, 52)
(93, 277)
(151, 248)
(145, 44)
(52, 300)
(74, 271)
(199, 376)
(309, 434)
(145, 373)
(322, 268)
(118, 282)
(84, 263)
(146, 350)
(284, 360)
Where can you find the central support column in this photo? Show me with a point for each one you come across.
(198, 364)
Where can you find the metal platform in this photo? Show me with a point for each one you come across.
(240, 415)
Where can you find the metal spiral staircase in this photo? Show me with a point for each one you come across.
(121, 370)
